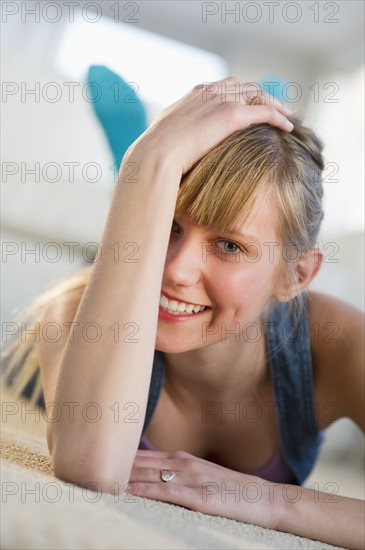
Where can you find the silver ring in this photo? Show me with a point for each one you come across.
(167, 475)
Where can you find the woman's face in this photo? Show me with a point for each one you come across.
(234, 275)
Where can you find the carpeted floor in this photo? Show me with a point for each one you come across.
(41, 512)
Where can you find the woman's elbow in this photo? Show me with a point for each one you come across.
(90, 473)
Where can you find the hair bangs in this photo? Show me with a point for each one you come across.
(221, 189)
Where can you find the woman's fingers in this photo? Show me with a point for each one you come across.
(243, 116)
(153, 475)
(148, 464)
(209, 113)
(270, 115)
(149, 470)
(242, 93)
(261, 97)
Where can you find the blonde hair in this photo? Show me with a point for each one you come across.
(219, 190)
(20, 363)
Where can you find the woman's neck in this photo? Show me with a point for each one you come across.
(218, 371)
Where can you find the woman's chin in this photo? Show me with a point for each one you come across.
(168, 344)
(170, 347)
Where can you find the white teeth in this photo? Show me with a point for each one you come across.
(179, 307)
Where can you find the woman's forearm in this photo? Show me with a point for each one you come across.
(122, 298)
(325, 517)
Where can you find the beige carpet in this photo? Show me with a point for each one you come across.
(42, 512)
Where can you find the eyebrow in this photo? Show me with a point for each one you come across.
(233, 232)
(236, 234)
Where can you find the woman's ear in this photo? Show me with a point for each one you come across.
(304, 270)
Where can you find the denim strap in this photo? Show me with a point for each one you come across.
(157, 379)
(289, 354)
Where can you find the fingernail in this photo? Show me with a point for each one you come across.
(289, 125)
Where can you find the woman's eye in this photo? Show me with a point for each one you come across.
(229, 247)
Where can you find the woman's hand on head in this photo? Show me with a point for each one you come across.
(187, 130)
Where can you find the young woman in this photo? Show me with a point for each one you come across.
(193, 362)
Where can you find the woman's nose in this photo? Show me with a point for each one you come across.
(184, 263)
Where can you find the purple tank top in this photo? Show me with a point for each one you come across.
(276, 470)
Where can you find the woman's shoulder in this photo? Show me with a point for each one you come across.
(63, 299)
(321, 305)
(60, 312)
(337, 344)
(59, 315)
(333, 323)
(63, 306)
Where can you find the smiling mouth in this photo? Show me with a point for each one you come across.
(180, 308)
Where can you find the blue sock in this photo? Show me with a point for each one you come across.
(274, 86)
(121, 113)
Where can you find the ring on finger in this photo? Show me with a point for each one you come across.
(167, 475)
(254, 100)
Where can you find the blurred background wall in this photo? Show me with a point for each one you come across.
(57, 169)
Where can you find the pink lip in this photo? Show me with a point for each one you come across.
(166, 316)
(181, 300)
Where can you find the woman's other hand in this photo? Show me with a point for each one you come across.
(188, 129)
